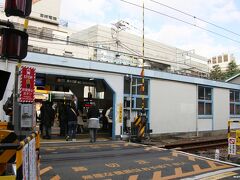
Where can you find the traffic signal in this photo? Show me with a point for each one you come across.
(20, 8)
(14, 43)
(3, 82)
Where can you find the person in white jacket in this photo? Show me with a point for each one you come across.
(109, 115)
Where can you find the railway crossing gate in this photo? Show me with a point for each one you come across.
(19, 160)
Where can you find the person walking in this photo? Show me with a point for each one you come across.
(62, 120)
(71, 113)
(104, 120)
(80, 122)
(93, 122)
(109, 115)
(47, 119)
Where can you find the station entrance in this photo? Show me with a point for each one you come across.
(61, 90)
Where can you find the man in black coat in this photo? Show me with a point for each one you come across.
(47, 119)
(93, 122)
(71, 114)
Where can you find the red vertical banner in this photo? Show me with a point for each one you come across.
(27, 84)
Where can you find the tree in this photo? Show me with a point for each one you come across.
(232, 69)
(216, 73)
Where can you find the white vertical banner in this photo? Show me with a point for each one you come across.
(32, 160)
(25, 164)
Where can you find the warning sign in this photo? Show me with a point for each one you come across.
(27, 83)
(238, 137)
(232, 146)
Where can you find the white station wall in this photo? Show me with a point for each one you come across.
(115, 81)
(172, 107)
(221, 108)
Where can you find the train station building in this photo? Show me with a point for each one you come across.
(107, 63)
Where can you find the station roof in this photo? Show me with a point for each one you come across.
(38, 58)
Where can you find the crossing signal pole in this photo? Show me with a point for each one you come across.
(142, 125)
(14, 44)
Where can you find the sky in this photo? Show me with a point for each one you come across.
(225, 14)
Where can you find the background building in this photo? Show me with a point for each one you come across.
(221, 60)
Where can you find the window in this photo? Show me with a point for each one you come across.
(225, 58)
(219, 59)
(234, 102)
(204, 100)
(136, 92)
(88, 90)
(214, 60)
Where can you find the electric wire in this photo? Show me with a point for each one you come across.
(183, 21)
(200, 19)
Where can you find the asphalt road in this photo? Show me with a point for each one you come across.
(121, 160)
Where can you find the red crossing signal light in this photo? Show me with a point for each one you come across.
(14, 43)
(20, 8)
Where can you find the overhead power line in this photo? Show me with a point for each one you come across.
(200, 19)
(183, 21)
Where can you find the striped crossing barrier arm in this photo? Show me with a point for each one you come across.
(9, 142)
(19, 156)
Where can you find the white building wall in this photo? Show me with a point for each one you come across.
(220, 108)
(172, 106)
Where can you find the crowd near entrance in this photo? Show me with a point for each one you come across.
(64, 106)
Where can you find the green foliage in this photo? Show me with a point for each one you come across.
(216, 73)
(232, 70)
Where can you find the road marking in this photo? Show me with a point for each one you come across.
(166, 158)
(133, 177)
(157, 175)
(178, 171)
(175, 154)
(211, 164)
(142, 162)
(46, 169)
(115, 145)
(220, 176)
(50, 149)
(112, 165)
(191, 158)
(196, 168)
(79, 169)
(57, 177)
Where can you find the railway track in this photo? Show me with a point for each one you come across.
(198, 145)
